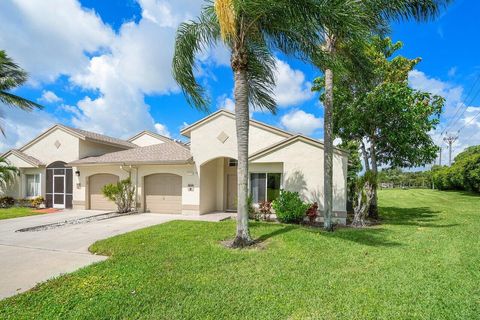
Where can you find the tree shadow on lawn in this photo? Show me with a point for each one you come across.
(374, 237)
(368, 236)
(419, 216)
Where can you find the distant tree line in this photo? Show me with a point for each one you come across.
(396, 178)
(463, 174)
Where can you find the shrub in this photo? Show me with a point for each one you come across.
(312, 212)
(23, 203)
(265, 210)
(6, 202)
(252, 213)
(289, 207)
(37, 202)
(122, 193)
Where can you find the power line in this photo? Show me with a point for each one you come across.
(470, 121)
(455, 119)
(459, 107)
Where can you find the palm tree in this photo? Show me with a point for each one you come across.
(375, 15)
(7, 173)
(12, 76)
(252, 30)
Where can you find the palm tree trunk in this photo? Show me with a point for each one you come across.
(328, 144)
(242, 122)
(373, 210)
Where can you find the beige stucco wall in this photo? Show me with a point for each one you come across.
(303, 172)
(205, 146)
(146, 140)
(17, 189)
(92, 149)
(208, 186)
(46, 151)
(190, 199)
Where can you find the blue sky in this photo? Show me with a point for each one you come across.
(105, 66)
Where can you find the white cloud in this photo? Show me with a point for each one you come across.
(162, 129)
(225, 102)
(138, 64)
(50, 38)
(454, 117)
(452, 93)
(291, 87)
(22, 126)
(49, 97)
(299, 121)
(452, 71)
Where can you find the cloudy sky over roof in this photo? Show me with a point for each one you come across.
(105, 66)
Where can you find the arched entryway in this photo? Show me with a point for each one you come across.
(163, 193)
(59, 186)
(96, 199)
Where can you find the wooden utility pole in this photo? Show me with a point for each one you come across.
(450, 140)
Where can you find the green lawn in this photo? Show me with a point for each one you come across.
(423, 262)
(16, 212)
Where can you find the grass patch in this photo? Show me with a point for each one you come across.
(421, 263)
(16, 212)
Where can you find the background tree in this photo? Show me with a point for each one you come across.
(363, 17)
(354, 167)
(390, 120)
(8, 173)
(463, 174)
(12, 76)
(252, 30)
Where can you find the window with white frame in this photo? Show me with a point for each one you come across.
(33, 185)
(265, 186)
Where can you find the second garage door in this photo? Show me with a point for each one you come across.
(97, 200)
(163, 193)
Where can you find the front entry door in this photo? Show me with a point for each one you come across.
(59, 191)
(232, 192)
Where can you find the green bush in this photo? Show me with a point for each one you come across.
(289, 207)
(37, 202)
(6, 202)
(464, 174)
(122, 193)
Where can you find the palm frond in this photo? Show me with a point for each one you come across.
(17, 101)
(260, 75)
(8, 173)
(420, 10)
(192, 38)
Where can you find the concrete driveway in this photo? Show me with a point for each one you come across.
(27, 258)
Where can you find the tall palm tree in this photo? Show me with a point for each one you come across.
(7, 173)
(375, 14)
(252, 30)
(12, 76)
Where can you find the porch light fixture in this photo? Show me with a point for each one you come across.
(77, 173)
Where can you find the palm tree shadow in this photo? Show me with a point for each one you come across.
(373, 237)
(418, 216)
(274, 233)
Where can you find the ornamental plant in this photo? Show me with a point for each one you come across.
(289, 207)
(122, 193)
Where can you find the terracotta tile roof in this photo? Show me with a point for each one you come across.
(164, 153)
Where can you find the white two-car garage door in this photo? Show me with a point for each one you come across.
(96, 183)
(163, 193)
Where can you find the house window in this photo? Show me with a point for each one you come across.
(33, 185)
(265, 186)
(232, 162)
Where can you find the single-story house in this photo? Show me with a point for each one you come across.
(70, 166)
